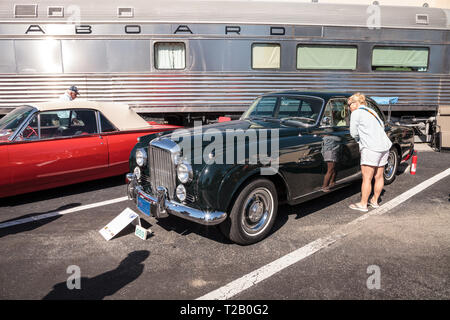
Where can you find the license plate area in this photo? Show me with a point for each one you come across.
(143, 205)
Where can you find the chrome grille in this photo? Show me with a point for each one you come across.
(162, 171)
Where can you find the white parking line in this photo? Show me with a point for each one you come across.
(237, 286)
(62, 212)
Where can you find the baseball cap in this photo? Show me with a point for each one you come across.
(74, 88)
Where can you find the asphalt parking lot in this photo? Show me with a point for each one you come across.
(407, 247)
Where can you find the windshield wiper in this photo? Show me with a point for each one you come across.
(298, 120)
(272, 119)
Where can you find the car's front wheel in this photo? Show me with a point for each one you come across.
(253, 213)
(390, 169)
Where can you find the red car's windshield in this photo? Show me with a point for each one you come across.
(10, 122)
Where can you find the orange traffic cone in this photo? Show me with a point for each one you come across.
(414, 163)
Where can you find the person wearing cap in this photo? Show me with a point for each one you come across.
(70, 94)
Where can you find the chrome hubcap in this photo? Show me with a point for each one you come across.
(258, 210)
(390, 166)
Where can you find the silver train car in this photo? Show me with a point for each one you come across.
(186, 60)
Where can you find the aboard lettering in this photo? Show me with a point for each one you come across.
(137, 29)
(34, 28)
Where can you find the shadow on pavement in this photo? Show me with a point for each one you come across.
(103, 285)
(32, 225)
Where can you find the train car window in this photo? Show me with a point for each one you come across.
(7, 57)
(170, 55)
(266, 56)
(38, 56)
(326, 57)
(106, 55)
(400, 59)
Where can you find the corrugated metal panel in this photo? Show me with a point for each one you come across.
(224, 92)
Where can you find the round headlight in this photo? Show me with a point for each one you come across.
(184, 172)
(181, 192)
(137, 173)
(141, 157)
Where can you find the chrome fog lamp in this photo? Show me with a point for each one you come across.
(181, 192)
(184, 172)
(137, 173)
(141, 157)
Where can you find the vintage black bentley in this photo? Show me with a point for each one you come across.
(288, 146)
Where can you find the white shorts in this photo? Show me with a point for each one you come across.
(374, 158)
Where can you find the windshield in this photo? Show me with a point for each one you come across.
(10, 122)
(304, 109)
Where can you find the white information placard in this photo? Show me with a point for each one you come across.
(126, 217)
(142, 233)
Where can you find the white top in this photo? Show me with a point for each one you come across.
(120, 114)
(368, 129)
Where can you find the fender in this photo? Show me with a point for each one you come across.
(237, 177)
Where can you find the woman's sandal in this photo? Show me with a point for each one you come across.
(357, 206)
(374, 205)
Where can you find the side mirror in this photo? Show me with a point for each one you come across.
(326, 122)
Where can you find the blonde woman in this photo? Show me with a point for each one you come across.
(367, 129)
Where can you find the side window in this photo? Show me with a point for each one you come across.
(82, 122)
(52, 123)
(107, 126)
(338, 112)
(299, 107)
(66, 123)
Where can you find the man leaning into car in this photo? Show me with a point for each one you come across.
(70, 94)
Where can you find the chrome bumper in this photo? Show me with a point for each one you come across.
(162, 205)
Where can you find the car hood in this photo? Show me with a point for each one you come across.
(201, 137)
(237, 125)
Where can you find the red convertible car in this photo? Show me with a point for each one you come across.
(57, 143)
